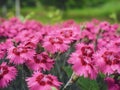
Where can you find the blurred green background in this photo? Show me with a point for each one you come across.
(52, 11)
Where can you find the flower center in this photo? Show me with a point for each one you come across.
(117, 44)
(39, 80)
(56, 40)
(19, 50)
(67, 33)
(16, 51)
(40, 59)
(111, 58)
(87, 51)
(3, 71)
(30, 45)
(85, 60)
(43, 80)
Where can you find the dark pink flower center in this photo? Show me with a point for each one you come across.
(39, 80)
(40, 59)
(3, 70)
(30, 45)
(18, 50)
(43, 80)
(56, 40)
(85, 60)
(50, 80)
(87, 51)
(67, 33)
(117, 44)
(111, 57)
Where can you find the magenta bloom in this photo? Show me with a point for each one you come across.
(112, 84)
(40, 61)
(39, 81)
(108, 61)
(11, 27)
(3, 47)
(2, 50)
(115, 45)
(33, 25)
(105, 26)
(7, 74)
(89, 31)
(18, 55)
(83, 62)
(55, 43)
(70, 34)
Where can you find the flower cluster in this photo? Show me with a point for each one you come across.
(30, 43)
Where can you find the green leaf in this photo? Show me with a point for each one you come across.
(101, 83)
(54, 88)
(87, 84)
(68, 70)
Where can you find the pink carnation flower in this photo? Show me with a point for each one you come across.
(108, 61)
(40, 61)
(55, 43)
(33, 25)
(83, 62)
(86, 50)
(28, 36)
(69, 23)
(89, 31)
(18, 55)
(3, 48)
(70, 34)
(115, 45)
(39, 81)
(105, 26)
(7, 74)
(112, 84)
(11, 27)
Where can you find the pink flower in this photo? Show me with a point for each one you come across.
(108, 61)
(28, 36)
(83, 62)
(105, 26)
(70, 33)
(40, 61)
(89, 31)
(33, 25)
(112, 84)
(7, 74)
(55, 43)
(3, 48)
(115, 45)
(19, 54)
(39, 81)
(11, 27)
(68, 23)
(86, 50)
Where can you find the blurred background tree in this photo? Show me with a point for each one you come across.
(79, 10)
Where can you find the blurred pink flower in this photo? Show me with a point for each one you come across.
(70, 34)
(55, 43)
(40, 62)
(19, 54)
(89, 31)
(112, 84)
(83, 62)
(108, 61)
(39, 81)
(7, 74)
